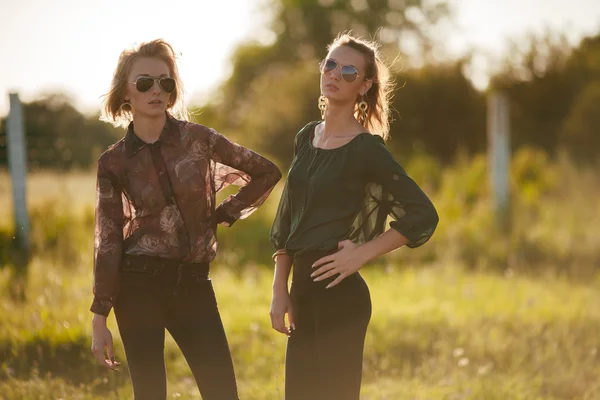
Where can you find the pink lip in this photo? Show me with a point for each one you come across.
(155, 102)
(332, 86)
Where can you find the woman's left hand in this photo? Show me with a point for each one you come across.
(344, 262)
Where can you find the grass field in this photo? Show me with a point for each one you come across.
(471, 315)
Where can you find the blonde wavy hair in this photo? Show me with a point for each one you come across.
(118, 113)
(379, 96)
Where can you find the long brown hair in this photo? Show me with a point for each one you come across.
(119, 113)
(379, 96)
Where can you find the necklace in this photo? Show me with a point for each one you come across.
(333, 136)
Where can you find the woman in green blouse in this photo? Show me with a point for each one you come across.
(342, 185)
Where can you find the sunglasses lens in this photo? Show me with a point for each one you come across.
(167, 84)
(349, 74)
(144, 84)
(328, 66)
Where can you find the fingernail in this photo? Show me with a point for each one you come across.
(294, 326)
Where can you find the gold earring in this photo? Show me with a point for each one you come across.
(322, 105)
(126, 104)
(362, 107)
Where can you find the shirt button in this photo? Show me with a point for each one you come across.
(161, 172)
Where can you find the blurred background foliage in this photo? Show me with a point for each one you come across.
(474, 314)
(554, 89)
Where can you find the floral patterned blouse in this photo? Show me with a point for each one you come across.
(158, 199)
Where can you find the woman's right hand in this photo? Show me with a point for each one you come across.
(102, 338)
(281, 304)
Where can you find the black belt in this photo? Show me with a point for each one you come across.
(153, 265)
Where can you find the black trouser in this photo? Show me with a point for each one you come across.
(325, 352)
(156, 294)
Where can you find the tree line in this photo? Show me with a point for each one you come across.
(553, 89)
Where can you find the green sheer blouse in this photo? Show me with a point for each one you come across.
(348, 193)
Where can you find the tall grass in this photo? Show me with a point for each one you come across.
(555, 209)
(474, 314)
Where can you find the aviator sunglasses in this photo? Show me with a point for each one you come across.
(349, 72)
(145, 83)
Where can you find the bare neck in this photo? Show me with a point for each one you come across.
(148, 128)
(340, 121)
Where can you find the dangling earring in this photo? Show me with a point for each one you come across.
(322, 105)
(126, 104)
(362, 108)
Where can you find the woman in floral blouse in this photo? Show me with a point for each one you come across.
(342, 185)
(156, 220)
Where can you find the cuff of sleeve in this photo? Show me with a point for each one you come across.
(223, 218)
(101, 306)
(412, 233)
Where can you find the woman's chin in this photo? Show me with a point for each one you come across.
(153, 111)
(337, 98)
(329, 94)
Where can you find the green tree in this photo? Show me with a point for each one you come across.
(439, 112)
(273, 89)
(580, 134)
(545, 84)
(60, 137)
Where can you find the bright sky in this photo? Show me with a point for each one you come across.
(73, 45)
